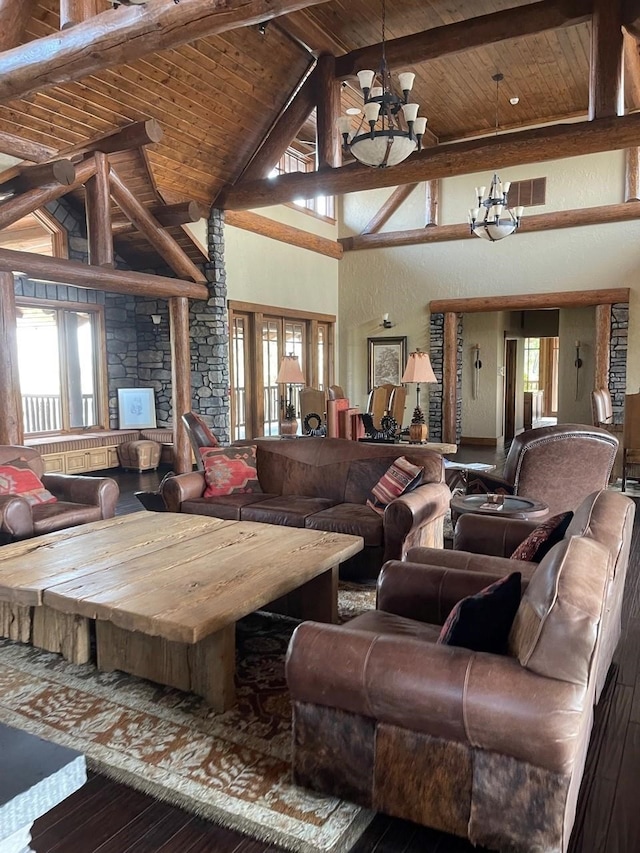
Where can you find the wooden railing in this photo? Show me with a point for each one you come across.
(43, 412)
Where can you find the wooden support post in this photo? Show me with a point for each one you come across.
(60, 171)
(432, 191)
(148, 225)
(14, 16)
(74, 12)
(631, 72)
(449, 378)
(387, 210)
(283, 132)
(98, 278)
(632, 174)
(98, 204)
(180, 381)
(328, 152)
(606, 95)
(603, 342)
(11, 426)
(19, 206)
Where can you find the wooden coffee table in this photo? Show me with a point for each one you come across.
(165, 591)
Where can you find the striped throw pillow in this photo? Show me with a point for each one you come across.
(400, 477)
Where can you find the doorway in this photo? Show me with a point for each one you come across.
(510, 385)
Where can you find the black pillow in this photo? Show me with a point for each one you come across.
(482, 622)
(541, 540)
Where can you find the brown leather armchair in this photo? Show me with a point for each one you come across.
(199, 435)
(559, 465)
(79, 500)
(484, 746)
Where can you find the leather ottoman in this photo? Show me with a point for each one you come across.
(142, 455)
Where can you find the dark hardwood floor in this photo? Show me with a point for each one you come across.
(106, 817)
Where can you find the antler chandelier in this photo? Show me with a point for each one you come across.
(394, 129)
(492, 218)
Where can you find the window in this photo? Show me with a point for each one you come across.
(531, 364)
(260, 336)
(60, 366)
(294, 161)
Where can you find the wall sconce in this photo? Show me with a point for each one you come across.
(386, 322)
(477, 365)
(156, 319)
(578, 364)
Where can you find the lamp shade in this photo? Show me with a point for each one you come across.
(418, 368)
(290, 372)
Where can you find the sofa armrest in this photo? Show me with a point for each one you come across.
(410, 512)
(182, 487)
(428, 593)
(489, 702)
(92, 491)
(483, 534)
(16, 521)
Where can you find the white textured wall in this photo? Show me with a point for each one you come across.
(404, 280)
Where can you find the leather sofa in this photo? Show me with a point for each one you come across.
(323, 484)
(79, 500)
(487, 747)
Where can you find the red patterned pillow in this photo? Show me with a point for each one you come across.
(16, 478)
(541, 540)
(230, 471)
(400, 477)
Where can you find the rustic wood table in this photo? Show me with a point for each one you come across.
(165, 591)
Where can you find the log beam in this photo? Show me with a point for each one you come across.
(130, 282)
(148, 225)
(530, 225)
(134, 135)
(449, 377)
(387, 210)
(432, 199)
(632, 174)
(98, 206)
(283, 132)
(178, 214)
(328, 152)
(526, 301)
(11, 426)
(606, 93)
(25, 149)
(631, 71)
(21, 205)
(120, 37)
(466, 35)
(14, 15)
(249, 221)
(448, 160)
(74, 12)
(603, 341)
(31, 177)
(180, 381)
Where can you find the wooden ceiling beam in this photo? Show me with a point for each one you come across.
(606, 94)
(18, 206)
(284, 131)
(125, 34)
(393, 202)
(466, 35)
(249, 221)
(74, 12)
(557, 299)
(31, 177)
(576, 218)
(147, 224)
(168, 215)
(14, 16)
(328, 149)
(631, 71)
(134, 135)
(537, 145)
(98, 278)
(16, 146)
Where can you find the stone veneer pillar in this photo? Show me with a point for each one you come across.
(436, 351)
(618, 355)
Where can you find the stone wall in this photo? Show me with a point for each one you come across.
(618, 355)
(436, 351)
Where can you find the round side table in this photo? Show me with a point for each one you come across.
(513, 506)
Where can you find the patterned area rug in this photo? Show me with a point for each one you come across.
(232, 768)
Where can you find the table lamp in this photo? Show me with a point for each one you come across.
(289, 374)
(418, 370)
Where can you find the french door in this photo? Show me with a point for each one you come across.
(259, 338)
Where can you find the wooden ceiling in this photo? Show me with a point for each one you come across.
(218, 97)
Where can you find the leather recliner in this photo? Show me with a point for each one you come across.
(79, 500)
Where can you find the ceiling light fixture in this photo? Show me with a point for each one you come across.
(497, 220)
(394, 129)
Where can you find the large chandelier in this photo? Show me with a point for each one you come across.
(394, 128)
(493, 219)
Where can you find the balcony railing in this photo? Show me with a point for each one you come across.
(43, 412)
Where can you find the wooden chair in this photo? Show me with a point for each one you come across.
(378, 402)
(397, 404)
(313, 401)
(336, 392)
(602, 415)
(631, 439)
(199, 435)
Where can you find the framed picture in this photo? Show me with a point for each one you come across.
(136, 408)
(387, 360)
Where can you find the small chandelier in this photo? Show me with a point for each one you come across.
(386, 142)
(493, 219)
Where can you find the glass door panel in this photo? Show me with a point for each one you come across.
(238, 382)
(271, 354)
